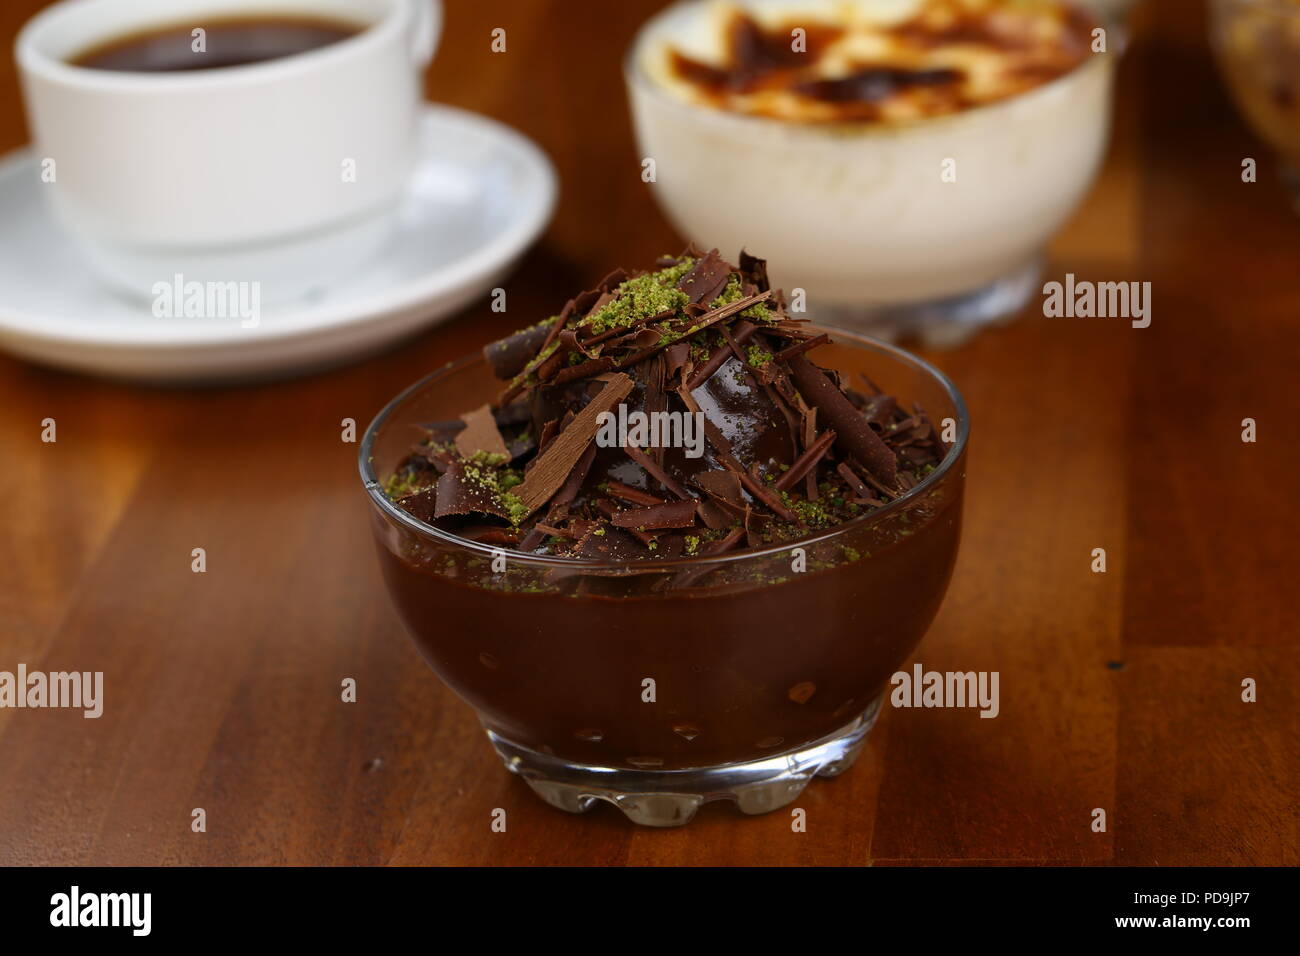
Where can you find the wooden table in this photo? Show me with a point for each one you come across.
(1120, 690)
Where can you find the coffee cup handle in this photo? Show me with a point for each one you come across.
(426, 25)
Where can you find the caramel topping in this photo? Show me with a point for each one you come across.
(846, 64)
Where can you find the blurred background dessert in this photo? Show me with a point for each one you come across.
(905, 163)
(1258, 48)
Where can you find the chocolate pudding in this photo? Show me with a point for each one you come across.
(683, 597)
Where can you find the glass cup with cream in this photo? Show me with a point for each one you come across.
(904, 162)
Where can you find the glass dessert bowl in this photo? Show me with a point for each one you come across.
(906, 168)
(658, 685)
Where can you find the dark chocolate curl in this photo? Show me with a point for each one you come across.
(457, 495)
(555, 463)
(756, 269)
(669, 514)
(706, 279)
(850, 425)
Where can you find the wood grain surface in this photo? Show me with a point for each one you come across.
(1120, 690)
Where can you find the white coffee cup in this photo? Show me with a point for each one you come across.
(285, 173)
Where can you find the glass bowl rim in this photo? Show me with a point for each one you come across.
(374, 487)
(635, 77)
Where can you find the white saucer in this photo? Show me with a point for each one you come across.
(480, 195)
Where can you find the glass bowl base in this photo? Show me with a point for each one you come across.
(942, 323)
(670, 798)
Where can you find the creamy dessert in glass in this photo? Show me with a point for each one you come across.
(904, 162)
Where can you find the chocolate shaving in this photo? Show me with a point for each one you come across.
(435, 457)
(556, 532)
(675, 358)
(573, 484)
(755, 487)
(810, 436)
(656, 470)
(549, 431)
(705, 280)
(799, 348)
(459, 494)
(634, 495)
(756, 269)
(871, 479)
(718, 357)
(530, 475)
(422, 504)
(853, 480)
(791, 419)
(583, 370)
(854, 433)
(670, 514)
(806, 462)
(669, 546)
(554, 464)
(480, 435)
(609, 544)
(532, 540)
(727, 543)
(714, 515)
(879, 409)
(723, 485)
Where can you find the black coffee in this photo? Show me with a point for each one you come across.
(231, 42)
